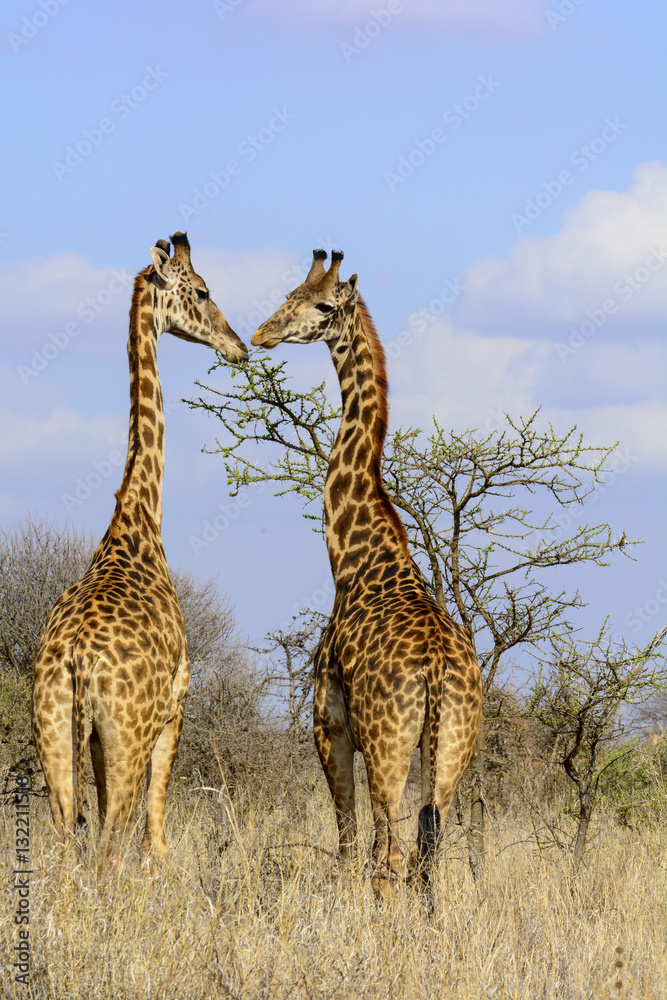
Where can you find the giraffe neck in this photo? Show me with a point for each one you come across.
(144, 467)
(362, 527)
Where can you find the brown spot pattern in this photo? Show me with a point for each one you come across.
(393, 670)
(113, 663)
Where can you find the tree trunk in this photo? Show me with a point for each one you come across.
(477, 831)
(585, 812)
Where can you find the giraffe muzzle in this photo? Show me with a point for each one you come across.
(263, 338)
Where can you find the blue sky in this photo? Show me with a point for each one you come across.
(497, 164)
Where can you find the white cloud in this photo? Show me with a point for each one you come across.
(509, 344)
(612, 247)
(62, 435)
(468, 380)
(462, 378)
(487, 21)
(640, 429)
(42, 294)
(604, 370)
(57, 287)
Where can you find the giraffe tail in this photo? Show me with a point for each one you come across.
(428, 823)
(83, 671)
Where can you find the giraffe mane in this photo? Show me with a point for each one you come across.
(139, 286)
(380, 373)
(132, 446)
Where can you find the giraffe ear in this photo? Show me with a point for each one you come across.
(161, 273)
(351, 289)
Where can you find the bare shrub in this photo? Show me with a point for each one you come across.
(16, 749)
(224, 710)
(239, 736)
(652, 715)
(519, 763)
(290, 668)
(38, 560)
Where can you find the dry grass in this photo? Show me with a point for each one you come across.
(234, 912)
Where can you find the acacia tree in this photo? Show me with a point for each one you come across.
(578, 696)
(488, 513)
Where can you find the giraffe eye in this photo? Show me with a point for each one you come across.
(202, 294)
(324, 307)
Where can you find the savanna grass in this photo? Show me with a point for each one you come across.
(252, 903)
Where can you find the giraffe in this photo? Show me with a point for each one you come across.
(393, 670)
(112, 669)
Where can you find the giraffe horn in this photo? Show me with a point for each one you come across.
(317, 267)
(181, 245)
(164, 245)
(332, 273)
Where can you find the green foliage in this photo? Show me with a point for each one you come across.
(579, 691)
(633, 780)
(468, 500)
(262, 407)
(578, 697)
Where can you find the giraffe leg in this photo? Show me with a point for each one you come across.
(125, 760)
(336, 752)
(97, 757)
(337, 755)
(454, 754)
(124, 774)
(162, 762)
(422, 855)
(55, 738)
(386, 789)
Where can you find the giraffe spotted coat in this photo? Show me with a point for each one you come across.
(393, 670)
(112, 670)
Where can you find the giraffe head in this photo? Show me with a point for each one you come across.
(182, 304)
(319, 309)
